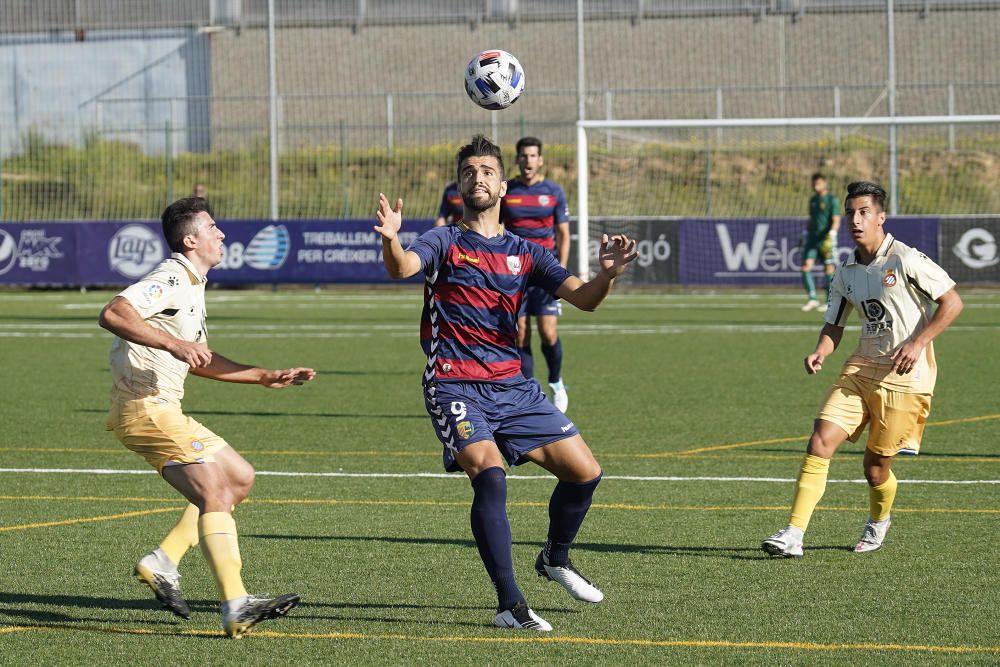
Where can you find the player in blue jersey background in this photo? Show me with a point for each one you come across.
(483, 409)
(450, 209)
(535, 208)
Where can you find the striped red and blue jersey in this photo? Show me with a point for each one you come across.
(474, 288)
(451, 208)
(533, 211)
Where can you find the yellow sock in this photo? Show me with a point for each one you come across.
(880, 498)
(808, 490)
(222, 551)
(183, 536)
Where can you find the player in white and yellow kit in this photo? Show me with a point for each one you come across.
(161, 336)
(888, 381)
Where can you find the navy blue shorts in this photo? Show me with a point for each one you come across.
(517, 417)
(537, 301)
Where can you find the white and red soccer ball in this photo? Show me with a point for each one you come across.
(494, 79)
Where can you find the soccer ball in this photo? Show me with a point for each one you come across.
(494, 79)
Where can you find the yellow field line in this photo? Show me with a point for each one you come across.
(529, 639)
(70, 522)
(465, 503)
(376, 453)
(772, 441)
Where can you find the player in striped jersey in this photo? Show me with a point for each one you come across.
(535, 209)
(450, 210)
(887, 383)
(482, 408)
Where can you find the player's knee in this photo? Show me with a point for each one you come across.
(876, 475)
(818, 446)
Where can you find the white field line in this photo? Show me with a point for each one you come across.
(63, 330)
(442, 475)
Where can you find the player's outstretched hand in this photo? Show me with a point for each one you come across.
(284, 378)
(615, 254)
(389, 219)
(814, 363)
(195, 355)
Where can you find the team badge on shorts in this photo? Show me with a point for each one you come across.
(890, 278)
(465, 430)
(197, 446)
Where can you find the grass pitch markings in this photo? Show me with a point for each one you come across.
(457, 476)
(93, 519)
(523, 640)
(335, 502)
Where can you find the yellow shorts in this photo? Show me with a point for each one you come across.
(162, 434)
(897, 418)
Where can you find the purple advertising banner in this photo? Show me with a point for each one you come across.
(766, 251)
(256, 251)
(38, 253)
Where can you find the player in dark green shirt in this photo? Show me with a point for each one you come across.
(819, 239)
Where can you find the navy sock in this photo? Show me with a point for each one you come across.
(491, 529)
(567, 508)
(527, 362)
(553, 356)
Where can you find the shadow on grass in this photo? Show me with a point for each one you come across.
(9, 600)
(731, 553)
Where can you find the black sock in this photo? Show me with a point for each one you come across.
(553, 356)
(567, 508)
(491, 529)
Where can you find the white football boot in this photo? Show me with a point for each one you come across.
(560, 398)
(786, 542)
(520, 617)
(873, 535)
(577, 585)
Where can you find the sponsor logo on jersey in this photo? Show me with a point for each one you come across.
(514, 264)
(465, 430)
(977, 249)
(134, 250)
(889, 279)
(467, 258)
(152, 293)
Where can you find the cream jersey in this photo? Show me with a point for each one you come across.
(170, 298)
(894, 296)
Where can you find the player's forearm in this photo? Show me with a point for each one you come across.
(121, 319)
(949, 307)
(562, 246)
(829, 339)
(398, 262)
(227, 370)
(586, 295)
(835, 224)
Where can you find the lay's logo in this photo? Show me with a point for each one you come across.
(467, 258)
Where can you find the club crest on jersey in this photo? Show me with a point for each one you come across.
(890, 278)
(514, 264)
(197, 446)
(543, 200)
(465, 430)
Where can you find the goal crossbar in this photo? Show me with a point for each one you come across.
(583, 218)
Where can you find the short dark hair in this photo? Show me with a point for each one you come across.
(524, 142)
(480, 146)
(818, 177)
(178, 220)
(866, 189)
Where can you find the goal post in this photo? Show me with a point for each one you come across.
(930, 146)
